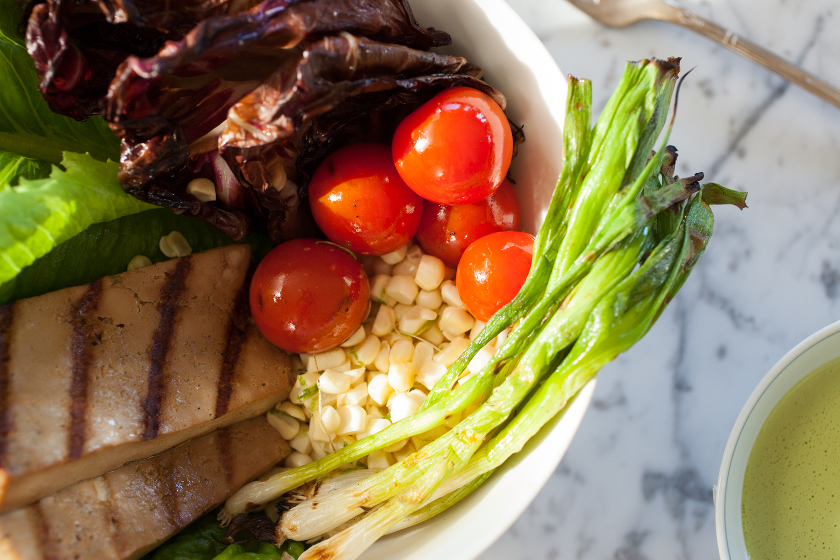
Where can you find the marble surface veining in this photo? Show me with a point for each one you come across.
(636, 483)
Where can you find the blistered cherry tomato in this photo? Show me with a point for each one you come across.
(308, 295)
(360, 202)
(447, 231)
(456, 148)
(493, 270)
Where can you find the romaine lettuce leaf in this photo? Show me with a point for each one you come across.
(37, 215)
(43, 205)
(14, 166)
(27, 125)
(256, 551)
(105, 249)
(204, 540)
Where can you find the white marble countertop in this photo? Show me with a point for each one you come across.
(636, 483)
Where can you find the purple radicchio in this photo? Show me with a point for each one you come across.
(252, 96)
(339, 90)
(172, 107)
(77, 45)
(342, 90)
(192, 83)
(177, 17)
(75, 74)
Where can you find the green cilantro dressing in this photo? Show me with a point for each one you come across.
(791, 499)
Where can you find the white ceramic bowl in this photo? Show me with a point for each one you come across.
(818, 349)
(490, 34)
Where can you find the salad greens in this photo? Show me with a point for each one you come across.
(201, 540)
(55, 179)
(39, 214)
(115, 243)
(27, 125)
(13, 167)
(204, 540)
(179, 83)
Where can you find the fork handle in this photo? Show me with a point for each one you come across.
(746, 48)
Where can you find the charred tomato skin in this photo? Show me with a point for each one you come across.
(454, 149)
(446, 231)
(308, 295)
(360, 202)
(493, 270)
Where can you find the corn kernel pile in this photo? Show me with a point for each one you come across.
(415, 329)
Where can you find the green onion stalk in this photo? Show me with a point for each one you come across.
(620, 308)
(621, 235)
(620, 319)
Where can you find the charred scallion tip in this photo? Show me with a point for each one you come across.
(604, 267)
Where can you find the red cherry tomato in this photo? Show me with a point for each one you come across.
(456, 148)
(493, 270)
(359, 200)
(447, 231)
(308, 295)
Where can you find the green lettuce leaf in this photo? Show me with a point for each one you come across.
(27, 125)
(14, 166)
(105, 249)
(250, 551)
(203, 540)
(42, 205)
(37, 215)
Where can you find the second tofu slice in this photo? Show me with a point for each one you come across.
(123, 514)
(130, 365)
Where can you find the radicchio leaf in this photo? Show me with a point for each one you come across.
(223, 58)
(328, 73)
(169, 107)
(76, 53)
(228, 188)
(342, 90)
(239, 92)
(339, 90)
(178, 17)
(77, 45)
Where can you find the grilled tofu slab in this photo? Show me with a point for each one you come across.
(95, 376)
(127, 512)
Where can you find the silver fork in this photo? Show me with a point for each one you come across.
(620, 13)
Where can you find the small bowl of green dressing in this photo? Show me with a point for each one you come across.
(778, 492)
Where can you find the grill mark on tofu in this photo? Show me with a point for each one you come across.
(169, 493)
(105, 496)
(6, 423)
(225, 455)
(46, 542)
(39, 346)
(235, 338)
(83, 340)
(127, 511)
(172, 291)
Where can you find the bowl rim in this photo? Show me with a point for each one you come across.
(722, 487)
